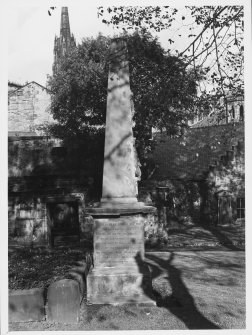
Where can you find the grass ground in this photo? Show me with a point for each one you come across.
(193, 290)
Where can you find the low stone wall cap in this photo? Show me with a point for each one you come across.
(26, 291)
(118, 209)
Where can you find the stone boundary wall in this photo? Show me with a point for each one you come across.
(30, 156)
(36, 304)
(28, 216)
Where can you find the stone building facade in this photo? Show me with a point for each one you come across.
(29, 108)
(47, 192)
(47, 181)
(199, 178)
(235, 113)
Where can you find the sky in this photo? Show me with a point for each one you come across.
(31, 38)
(31, 33)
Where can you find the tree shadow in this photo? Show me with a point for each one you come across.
(207, 223)
(117, 146)
(202, 223)
(180, 302)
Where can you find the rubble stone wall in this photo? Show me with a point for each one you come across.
(29, 107)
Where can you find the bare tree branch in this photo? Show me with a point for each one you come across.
(204, 29)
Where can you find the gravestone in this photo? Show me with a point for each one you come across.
(119, 275)
(63, 299)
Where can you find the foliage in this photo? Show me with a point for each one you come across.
(229, 178)
(79, 89)
(162, 99)
(25, 270)
(214, 35)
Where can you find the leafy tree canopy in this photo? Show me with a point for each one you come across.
(163, 89)
(163, 97)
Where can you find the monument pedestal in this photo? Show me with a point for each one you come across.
(119, 275)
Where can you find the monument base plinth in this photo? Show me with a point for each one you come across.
(117, 286)
(120, 275)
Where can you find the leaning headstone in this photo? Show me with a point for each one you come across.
(26, 305)
(63, 299)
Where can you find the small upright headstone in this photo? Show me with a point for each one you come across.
(64, 301)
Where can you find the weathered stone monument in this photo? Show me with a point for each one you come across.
(119, 274)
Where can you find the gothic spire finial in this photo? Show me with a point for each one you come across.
(64, 25)
(65, 42)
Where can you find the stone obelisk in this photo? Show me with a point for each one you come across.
(119, 181)
(119, 274)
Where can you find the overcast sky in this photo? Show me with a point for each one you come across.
(31, 33)
(31, 38)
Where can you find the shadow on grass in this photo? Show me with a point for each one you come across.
(223, 239)
(180, 302)
(231, 238)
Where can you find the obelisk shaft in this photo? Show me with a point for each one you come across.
(119, 181)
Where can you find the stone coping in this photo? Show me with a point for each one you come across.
(26, 291)
(118, 209)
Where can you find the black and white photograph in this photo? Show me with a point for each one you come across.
(123, 136)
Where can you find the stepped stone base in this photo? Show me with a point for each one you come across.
(120, 275)
(118, 286)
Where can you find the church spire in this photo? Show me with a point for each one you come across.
(65, 35)
(66, 41)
